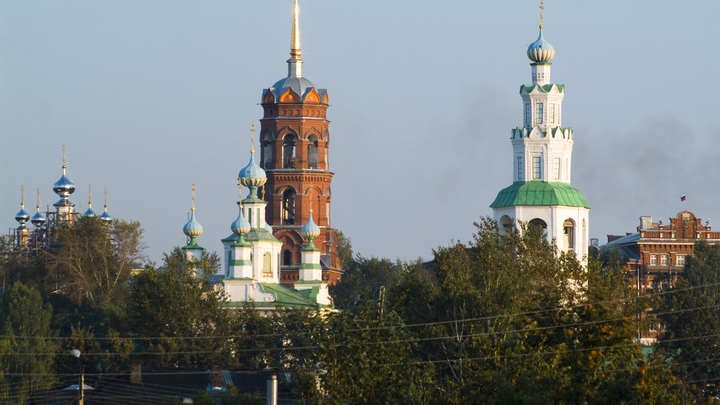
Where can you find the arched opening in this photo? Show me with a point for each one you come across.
(506, 224)
(289, 151)
(288, 207)
(287, 258)
(312, 152)
(568, 235)
(537, 226)
(266, 148)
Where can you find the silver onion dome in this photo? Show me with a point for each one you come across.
(38, 219)
(22, 217)
(64, 187)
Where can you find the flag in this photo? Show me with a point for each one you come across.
(682, 197)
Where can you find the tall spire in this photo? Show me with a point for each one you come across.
(295, 61)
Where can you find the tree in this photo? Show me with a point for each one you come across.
(362, 280)
(180, 318)
(27, 346)
(94, 260)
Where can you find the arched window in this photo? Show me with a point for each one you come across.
(288, 207)
(506, 224)
(289, 151)
(568, 235)
(267, 263)
(267, 155)
(312, 152)
(287, 258)
(537, 226)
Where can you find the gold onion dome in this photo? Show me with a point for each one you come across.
(540, 51)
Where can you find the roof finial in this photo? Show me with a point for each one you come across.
(309, 193)
(252, 137)
(295, 61)
(541, 11)
(89, 196)
(64, 161)
(240, 193)
(105, 200)
(193, 196)
(295, 37)
(38, 200)
(22, 192)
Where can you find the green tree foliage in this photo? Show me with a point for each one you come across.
(362, 280)
(27, 345)
(691, 318)
(179, 317)
(93, 260)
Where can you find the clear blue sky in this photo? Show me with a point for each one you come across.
(149, 96)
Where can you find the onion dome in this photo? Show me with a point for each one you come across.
(240, 225)
(105, 217)
(252, 175)
(193, 227)
(38, 219)
(310, 230)
(90, 212)
(540, 51)
(22, 217)
(64, 187)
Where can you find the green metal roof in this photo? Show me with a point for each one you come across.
(544, 88)
(540, 193)
(287, 297)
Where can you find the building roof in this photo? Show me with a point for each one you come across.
(540, 193)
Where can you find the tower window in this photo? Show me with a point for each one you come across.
(287, 258)
(653, 260)
(556, 168)
(288, 207)
(539, 113)
(266, 148)
(312, 152)
(520, 168)
(289, 151)
(528, 116)
(569, 234)
(536, 167)
(552, 113)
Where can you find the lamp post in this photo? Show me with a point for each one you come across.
(76, 353)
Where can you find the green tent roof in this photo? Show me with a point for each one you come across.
(540, 193)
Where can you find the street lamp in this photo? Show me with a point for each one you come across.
(76, 353)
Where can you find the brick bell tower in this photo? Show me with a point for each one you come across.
(294, 141)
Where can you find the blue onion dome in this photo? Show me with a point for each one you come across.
(22, 217)
(193, 227)
(90, 213)
(240, 225)
(105, 217)
(38, 219)
(310, 230)
(64, 187)
(540, 50)
(252, 175)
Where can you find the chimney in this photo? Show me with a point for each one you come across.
(272, 390)
(216, 379)
(136, 372)
(645, 223)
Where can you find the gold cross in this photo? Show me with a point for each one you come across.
(193, 196)
(252, 137)
(541, 11)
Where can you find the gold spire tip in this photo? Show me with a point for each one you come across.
(106, 200)
(64, 161)
(193, 196)
(89, 196)
(252, 137)
(38, 200)
(542, 7)
(22, 194)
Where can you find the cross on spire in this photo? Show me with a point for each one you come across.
(541, 11)
(252, 137)
(193, 196)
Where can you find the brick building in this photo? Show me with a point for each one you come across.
(657, 252)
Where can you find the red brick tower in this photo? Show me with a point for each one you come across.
(294, 141)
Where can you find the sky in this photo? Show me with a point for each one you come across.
(149, 96)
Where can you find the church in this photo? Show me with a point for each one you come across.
(541, 196)
(279, 254)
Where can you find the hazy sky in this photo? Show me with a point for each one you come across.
(149, 96)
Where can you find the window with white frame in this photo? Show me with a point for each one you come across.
(528, 115)
(663, 260)
(556, 168)
(552, 113)
(520, 168)
(539, 113)
(536, 167)
(680, 260)
(653, 260)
